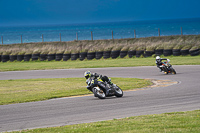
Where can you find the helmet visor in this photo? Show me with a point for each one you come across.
(87, 76)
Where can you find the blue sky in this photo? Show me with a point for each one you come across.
(43, 12)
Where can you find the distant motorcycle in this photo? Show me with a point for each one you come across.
(167, 67)
(103, 89)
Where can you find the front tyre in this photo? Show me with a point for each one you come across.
(99, 93)
(173, 71)
(118, 91)
(94, 91)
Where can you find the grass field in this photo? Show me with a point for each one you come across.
(16, 91)
(125, 62)
(176, 122)
(27, 90)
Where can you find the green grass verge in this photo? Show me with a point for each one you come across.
(176, 122)
(125, 62)
(27, 90)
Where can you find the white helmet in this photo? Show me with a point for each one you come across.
(157, 57)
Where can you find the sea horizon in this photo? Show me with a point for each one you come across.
(102, 22)
(99, 30)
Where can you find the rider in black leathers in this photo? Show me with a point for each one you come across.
(89, 75)
(159, 62)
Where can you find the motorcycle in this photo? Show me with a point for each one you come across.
(103, 89)
(167, 67)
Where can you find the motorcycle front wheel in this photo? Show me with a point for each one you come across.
(173, 71)
(118, 91)
(99, 93)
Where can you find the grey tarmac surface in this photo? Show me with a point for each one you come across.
(184, 96)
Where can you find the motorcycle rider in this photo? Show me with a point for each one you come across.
(88, 75)
(159, 62)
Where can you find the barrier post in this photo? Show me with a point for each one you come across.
(91, 36)
(76, 36)
(134, 34)
(42, 38)
(112, 35)
(181, 31)
(21, 39)
(159, 32)
(60, 37)
(2, 40)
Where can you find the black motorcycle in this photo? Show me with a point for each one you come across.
(103, 89)
(167, 67)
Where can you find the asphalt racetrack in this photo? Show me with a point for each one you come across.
(182, 96)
